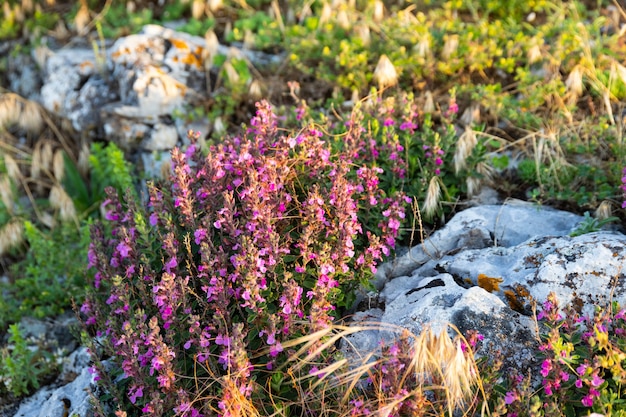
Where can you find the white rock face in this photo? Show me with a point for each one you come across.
(51, 401)
(484, 270)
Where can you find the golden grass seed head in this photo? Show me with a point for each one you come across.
(362, 30)
(433, 196)
(12, 168)
(473, 185)
(255, 90)
(343, 20)
(218, 126)
(35, 166)
(356, 97)
(11, 235)
(197, 9)
(10, 110)
(47, 219)
(228, 29)
(379, 11)
(621, 71)
(6, 193)
(534, 54)
(211, 48)
(18, 13)
(471, 115)
(82, 19)
(604, 210)
(215, 5)
(46, 156)
(464, 147)
(58, 165)
(325, 15)
(59, 199)
(429, 103)
(249, 39)
(385, 73)
(28, 6)
(459, 376)
(422, 47)
(574, 81)
(231, 73)
(31, 119)
(41, 54)
(83, 159)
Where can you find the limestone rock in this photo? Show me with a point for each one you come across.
(486, 268)
(72, 397)
(479, 227)
(163, 137)
(24, 77)
(65, 72)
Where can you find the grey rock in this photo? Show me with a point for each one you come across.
(162, 137)
(586, 270)
(64, 73)
(203, 126)
(124, 132)
(154, 164)
(52, 400)
(484, 271)
(82, 107)
(24, 76)
(506, 225)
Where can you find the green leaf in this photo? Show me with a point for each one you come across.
(75, 186)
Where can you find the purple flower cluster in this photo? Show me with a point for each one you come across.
(239, 251)
(582, 366)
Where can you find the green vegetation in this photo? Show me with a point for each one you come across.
(22, 369)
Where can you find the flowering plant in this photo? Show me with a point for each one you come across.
(239, 251)
(581, 367)
(420, 151)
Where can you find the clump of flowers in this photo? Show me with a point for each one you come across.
(581, 369)
(416, 149)
(261, 240)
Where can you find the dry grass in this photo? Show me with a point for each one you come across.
(11, 235)
(433, 197)
(436, 364)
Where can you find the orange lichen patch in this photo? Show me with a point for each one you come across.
(86, 64)
(513, 301)
(179, 44)
(468, 281)
(192, 59)
(489, 283)
(522, 291)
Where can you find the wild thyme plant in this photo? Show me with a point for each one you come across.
(418, 151)
(239, 251)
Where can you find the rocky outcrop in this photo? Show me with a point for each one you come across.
(487, 268)
(138, 92)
